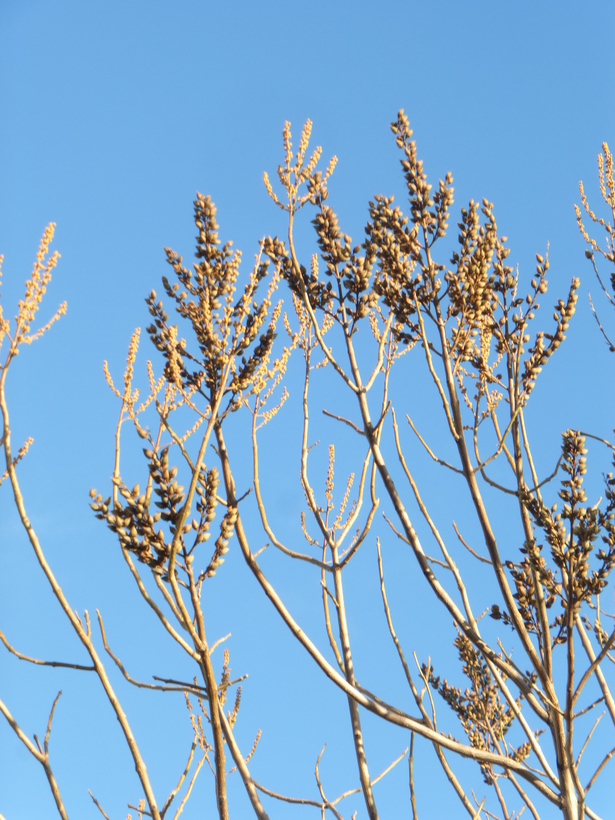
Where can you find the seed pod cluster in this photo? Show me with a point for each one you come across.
(226, 533)
(433, 222)
(135, 526)
(571, 533)
(225, 327)
(564, 311)
(485, 717)
(399, 278)
(319, 293)
(523, 574)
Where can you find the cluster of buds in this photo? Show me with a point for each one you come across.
(227, 528)
(429, 212)
(564, 311)
(572, 533)
(484, 717)
(134, 526)
(138, 529)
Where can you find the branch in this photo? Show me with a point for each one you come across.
(263, 514)
(41, 756)
(589, 650)
(381, 346)
(469, 548)
(345, 421)
(596, 774)
(601, 440)
(183, 776)
(431, 453)
(381, 708)
(602, 330)
(593, 666)
(21, 657)
(182, 688)
(419, 702)
(82, 634)
(98, 806)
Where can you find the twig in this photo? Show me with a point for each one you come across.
(218, 642)
(22, 657)
(601, 440)
(186, 797)
(38, 754)
(98, 806)
(469, 548)
(602, 330)
(49, 722)
(596, 774)
(263, 514)
(141, 684)
(588, 738)
(588, 708)
(299, 801)
(183, 776)
(345, 421)
(418, 699)
(411, 776)
(431, 453)
(139, 809)
(400, 535)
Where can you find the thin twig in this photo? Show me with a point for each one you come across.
(596, 774)
(345, 421)
(141, 684)
(601, 440)
(430, 451)
(469, 548)
(98, 806)
(588, 738)
(411, 776)
(22, 657)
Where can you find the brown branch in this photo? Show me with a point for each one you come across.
(154, 606)
(469, 548)
(74, 620)
(411, 777)
(27, 658)
(263, 514)
(587, 739)
(183, 776)
(215, 710)
(41, 756)
(141, 684)
(596, 774)
(601, 440)
(430, 451)
(350, 424)
(379, 708)
(353, 706)
(98, 806)
(592, 667)
(589, 650)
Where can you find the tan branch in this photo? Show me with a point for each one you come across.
(27, 658)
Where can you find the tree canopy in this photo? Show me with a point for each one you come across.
(485, 574)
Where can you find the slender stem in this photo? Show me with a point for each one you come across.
(82, 634)
(212, 697)
(597, 671)
(352, 704)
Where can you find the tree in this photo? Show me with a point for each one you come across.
(539, 664)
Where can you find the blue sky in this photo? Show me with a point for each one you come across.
(113, 116)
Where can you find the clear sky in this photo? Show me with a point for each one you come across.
(113, 115)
